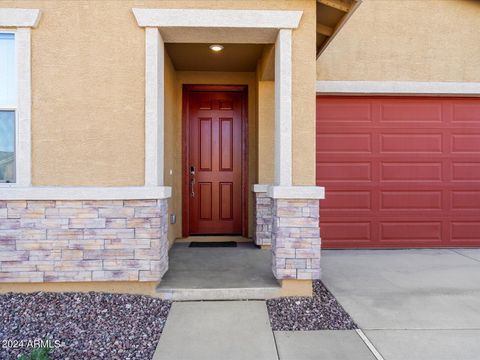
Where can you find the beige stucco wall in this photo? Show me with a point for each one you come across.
(420, 40)
(88, 63)
(266, 131)
(173, 151)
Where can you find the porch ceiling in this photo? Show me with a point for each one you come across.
(198, 57)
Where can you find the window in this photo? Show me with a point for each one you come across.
(8, 103)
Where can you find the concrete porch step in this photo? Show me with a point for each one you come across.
(190, 294)
(241, 273)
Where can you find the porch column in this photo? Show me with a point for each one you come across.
(293, 210)
(154, 107)
(283, 108)
(154, 146)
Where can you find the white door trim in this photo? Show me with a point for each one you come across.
(239, 24)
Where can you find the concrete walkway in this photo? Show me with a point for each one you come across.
(233, 330)
(411, 304)
(220, 330)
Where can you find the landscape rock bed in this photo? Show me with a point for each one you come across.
(89, 325)
(320, 312)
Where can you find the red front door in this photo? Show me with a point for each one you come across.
(214, 146)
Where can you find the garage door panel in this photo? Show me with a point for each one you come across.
(410, 171)
(337, 111)
(405, 173)
(346, 231)
(466, 200)
(411, 200)
(348, 200)
(352, 171)
(465, 231)
(411, 111)
(411, 143)
(467, 111)
(344, 143)
(411, 231)
(466, 171)
(466, 143)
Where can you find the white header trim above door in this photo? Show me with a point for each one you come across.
(273, 19)
(328, 87)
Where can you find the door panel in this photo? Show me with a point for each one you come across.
(399, 171)
(215, 154)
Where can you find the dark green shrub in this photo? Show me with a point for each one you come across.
(40, 353)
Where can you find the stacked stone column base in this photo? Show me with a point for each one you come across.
(101, 240)
(296, 239)
(263, 219)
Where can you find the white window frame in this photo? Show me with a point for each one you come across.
(19, 22)
(12, 107)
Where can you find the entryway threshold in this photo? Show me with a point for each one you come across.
(234, 273)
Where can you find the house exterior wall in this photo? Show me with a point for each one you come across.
(97, 104)
(173, 152)
(266, 131)
(422, 40)
(88, 129)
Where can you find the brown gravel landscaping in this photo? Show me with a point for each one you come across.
(89, 325)
(321, 312)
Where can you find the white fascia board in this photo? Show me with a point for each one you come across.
(273, 19)
(11, 17)
(296, 192)
(333, 87)
(85, 193)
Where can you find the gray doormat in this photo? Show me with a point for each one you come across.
(205, 244)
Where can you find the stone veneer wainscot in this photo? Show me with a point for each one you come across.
(263, 219)
(101, 240)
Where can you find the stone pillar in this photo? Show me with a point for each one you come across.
(296, 239)
(263, 219)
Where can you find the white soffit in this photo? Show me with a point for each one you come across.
(10, 17)
(333, 87)
(220, 35)
(207, 18)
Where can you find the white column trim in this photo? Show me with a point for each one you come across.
(260, 188)
(296, 192)
(333, 87)
(283, 108)
(23, 151)
(85, 193)
(154, 107)
(13, 17)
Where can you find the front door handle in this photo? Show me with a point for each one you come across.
(192, 181)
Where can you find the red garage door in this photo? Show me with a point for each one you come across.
(399, 172)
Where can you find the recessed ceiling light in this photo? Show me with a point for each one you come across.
(216, 47)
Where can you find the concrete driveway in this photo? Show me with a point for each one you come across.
(411, 304)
